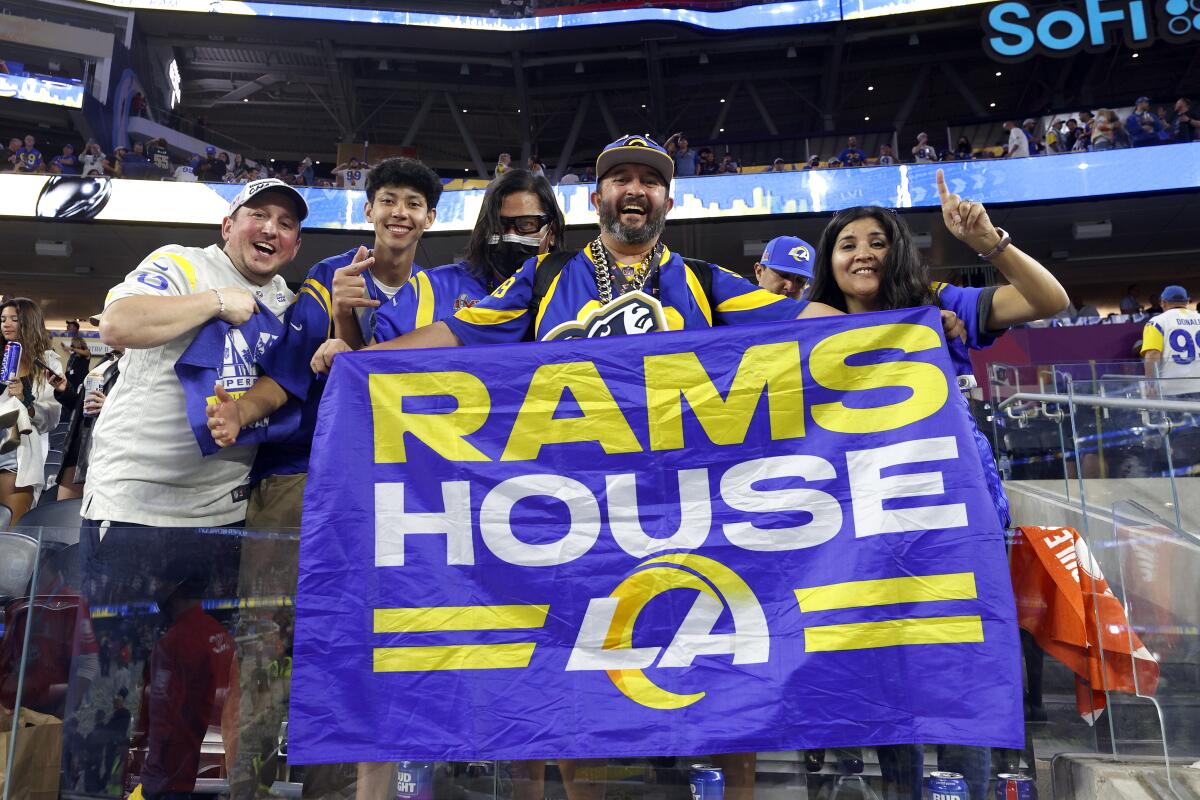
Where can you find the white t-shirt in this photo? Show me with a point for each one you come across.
(1176, 334)
(146, 466)
(1018, 144)
(186, 174)
(355, 178)
(91, 164)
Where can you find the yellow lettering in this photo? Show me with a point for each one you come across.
(773, 368)
(442, 431)
(827, 364)
(601, 420)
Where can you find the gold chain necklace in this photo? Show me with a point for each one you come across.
(604, 275)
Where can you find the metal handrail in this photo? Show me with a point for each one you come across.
(1134, 403)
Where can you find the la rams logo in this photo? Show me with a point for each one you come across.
(800, 253)
(635, 312)
(605, 639)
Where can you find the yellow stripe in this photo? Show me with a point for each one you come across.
(189, 271)
(308, 291)
(755, 298)
(886, 591)
(486, 316)
(451, 657)
(891, 633)
(693, 284)
(321, 293)
(425, 300)
(537, 323)
(459, 618)
(937, 287)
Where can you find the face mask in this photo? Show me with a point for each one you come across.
(507, 253)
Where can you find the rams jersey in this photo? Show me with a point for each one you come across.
(1175, 334)
(429, 296)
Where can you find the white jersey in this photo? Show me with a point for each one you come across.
(146, 466)
(1018, 144)
(1176, 334)
(355, 178)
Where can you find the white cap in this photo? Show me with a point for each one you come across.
(269, 185)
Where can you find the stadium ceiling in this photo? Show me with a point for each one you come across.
(291, 88)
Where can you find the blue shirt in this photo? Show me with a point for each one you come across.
(67, 165)
(429, 296)
(504, 315)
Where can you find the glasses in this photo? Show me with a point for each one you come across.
(525, 224)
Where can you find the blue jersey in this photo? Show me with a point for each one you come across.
(973, 306)
(307, 324)
(429, 296)
(504, 316)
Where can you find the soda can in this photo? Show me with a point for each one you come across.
(1015, 786)
(12, 362)
(946, 786)
(92, 382)
(414, 780)
(707, 782)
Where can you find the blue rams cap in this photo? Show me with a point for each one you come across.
(789, 254)
(636, 149)
(1175, 294)
(210, 150)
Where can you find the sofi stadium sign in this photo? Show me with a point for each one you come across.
(1017, 31)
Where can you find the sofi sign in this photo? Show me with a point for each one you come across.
(1016, 31)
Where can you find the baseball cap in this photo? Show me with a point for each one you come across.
(257, 187)
(1142, 99)
(636, 149)
(789, 254)
(210, 150)
(1175, 294)
(1030, 121)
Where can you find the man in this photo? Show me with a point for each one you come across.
(1131, 303)
(160, 157)
(148, 468)
(1184, 128)
(29, 158)
(186, 173)
(1071, 136)
(79, 357)
(686, 160)
(339, 296)
(1029, 126)
(66, 163)
(852, 156)
(10, 154)
(785, 267)
(924, 153)
(211, 169)
(729, 165)
(1171, 345)
(1143, 125)
(779, 165)
(1018, 142)
(352, 174)
(706, 163)
(886, 159)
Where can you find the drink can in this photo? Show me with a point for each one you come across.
(12, 362)
(707, 782)
(414, 780)
(92, 382)
(946, 786)
(1015, 786)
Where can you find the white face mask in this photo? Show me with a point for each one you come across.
(517, 239)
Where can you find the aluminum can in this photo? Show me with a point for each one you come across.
(414, 780)
(1015, 786)
(707, 782)
(946, 786)
(12, 362)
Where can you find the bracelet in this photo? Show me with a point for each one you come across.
(1001, 246)
(220, 302)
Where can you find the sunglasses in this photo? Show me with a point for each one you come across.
(524, 224)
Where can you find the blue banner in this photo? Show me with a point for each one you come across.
(762, 537)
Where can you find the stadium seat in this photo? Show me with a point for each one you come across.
(60, 518)
(17, 552)
(5, 515)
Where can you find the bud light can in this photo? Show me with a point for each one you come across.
(12, 362)
(414, 780)
(707, 782)
(946, 786)
(1015, 786)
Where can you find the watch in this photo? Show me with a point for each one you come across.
(1001, 246)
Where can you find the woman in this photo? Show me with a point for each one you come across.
(85, 402)
(237, 172)
(866, 261)
(1102, 130)
(32, 397)
(963, 150)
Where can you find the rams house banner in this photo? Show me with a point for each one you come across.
(753, 538)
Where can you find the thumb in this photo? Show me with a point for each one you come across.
(222, 395)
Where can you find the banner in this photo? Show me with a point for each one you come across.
(762, 537)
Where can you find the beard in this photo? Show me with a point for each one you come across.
(649, 231)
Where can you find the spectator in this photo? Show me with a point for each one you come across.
(589, 175)
(834, 163)
(503, 165)
(29, 410)
(1029, 127)
(66, 163)
(924, 153)
(963, 151)
(254, 172)
(1018, 142)
(135, 163)
(77, 450)
(93, 161)
(785, 267)
(569, 178)
(851, 156)
(686, 160)
(1164, 332)
(1102, 130)
(352, 174)
(160, 157)
(79, 357)
(1121, 138)
(186, 173)
(706, 163)
(29, 158)
(10, 154)
(1084, 310)
(729, 164)
(1184, 128)
(1054, 139)
(536, 168)
(1070, 135)
(814, 162)
(211, 169)
(305, 172)
(148, 470)
(118, 161)
(137, 105)
(886, 159)
(1161, 113)
(1143, 127)
(1131, 303)
(237, 170)
(778, 165)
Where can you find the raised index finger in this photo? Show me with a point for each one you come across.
(943, 190)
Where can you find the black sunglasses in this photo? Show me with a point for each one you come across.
(524, 224)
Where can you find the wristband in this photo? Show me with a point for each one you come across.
(1001, 246)
(220, 302)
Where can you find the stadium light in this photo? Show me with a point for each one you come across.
(870, 88)
(867, 118)
(991, 105)
(465, 69)
(578, 67)
(791, 52)
(704, 58)
(998, 73)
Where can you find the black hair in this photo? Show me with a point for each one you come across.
(405, 172)
(905, 279)
(488, 224)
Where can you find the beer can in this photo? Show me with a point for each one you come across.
(414, 780)
(946, 786)
(12, 362)
(92, 382)
(707, 782)
(1015, 786)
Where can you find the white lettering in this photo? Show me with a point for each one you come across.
(589, 653)
(695, 636)
(393, 523)
(495, 520)
(870, 489)
(624, 515)
(737, 489)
